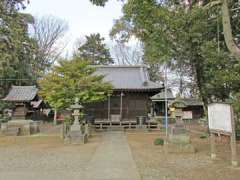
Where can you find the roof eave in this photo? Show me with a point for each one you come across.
(137, 89)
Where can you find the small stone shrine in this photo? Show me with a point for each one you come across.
(26, 102)
(178, 140)
(78, 133)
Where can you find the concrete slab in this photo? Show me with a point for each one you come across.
(112, 160)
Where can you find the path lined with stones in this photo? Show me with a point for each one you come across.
(112, 160)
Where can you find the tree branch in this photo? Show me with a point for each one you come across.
(227, 30)
(212, 4)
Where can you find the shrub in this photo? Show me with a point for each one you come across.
(204, 136)
(68, 120)
(158, 141)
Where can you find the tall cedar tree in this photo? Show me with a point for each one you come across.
(16, 48)
(95, 50)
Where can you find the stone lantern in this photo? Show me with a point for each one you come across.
(77, 110)
(178, 140)
(76, 134)
(178, 106)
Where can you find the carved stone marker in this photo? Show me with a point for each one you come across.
(76, 134)
(178, 140)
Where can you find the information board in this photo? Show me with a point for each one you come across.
(220, 117)
(187, 115)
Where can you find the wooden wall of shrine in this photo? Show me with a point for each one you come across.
(133, 104)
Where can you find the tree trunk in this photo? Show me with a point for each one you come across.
(200, 83)
(227, 30)
(55, 117)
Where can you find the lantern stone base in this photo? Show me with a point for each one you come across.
(75, 135)
(19, 128)
(178, 148)
(179, 141)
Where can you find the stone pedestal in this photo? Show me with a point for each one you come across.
(179, 144)
(179, 141)
(20, 128)
(76, 136)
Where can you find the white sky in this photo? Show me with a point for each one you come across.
(82, 16)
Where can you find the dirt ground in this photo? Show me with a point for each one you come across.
(46, 153)
(154, 164)
(43, 156)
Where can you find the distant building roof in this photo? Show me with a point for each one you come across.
(188, 101)
(127, 77)
(192, 102)
(161, 96)
(36, 104)
(21, 94)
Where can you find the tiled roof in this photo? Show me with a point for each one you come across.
(21, 94)
(127, 77)
(161, 96)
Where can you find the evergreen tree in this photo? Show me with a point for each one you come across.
(16, 48)
(95, 50)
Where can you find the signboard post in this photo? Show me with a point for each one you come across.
(221, 121)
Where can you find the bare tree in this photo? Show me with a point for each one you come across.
(48, 31)
(128, 55)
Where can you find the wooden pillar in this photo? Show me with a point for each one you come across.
(212, 143)
(121, 104)
(109, 106)
(233, 141)
(55, 117)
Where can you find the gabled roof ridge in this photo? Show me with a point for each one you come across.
(120, 66)
(21, 93)
(127, 77)
(14, 86)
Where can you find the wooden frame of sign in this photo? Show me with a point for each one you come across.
(221, 121)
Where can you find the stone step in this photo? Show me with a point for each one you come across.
(115, 128)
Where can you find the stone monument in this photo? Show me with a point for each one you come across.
(178, 140)
(77, 134)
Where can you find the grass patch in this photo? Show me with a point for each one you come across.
(204, 136)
